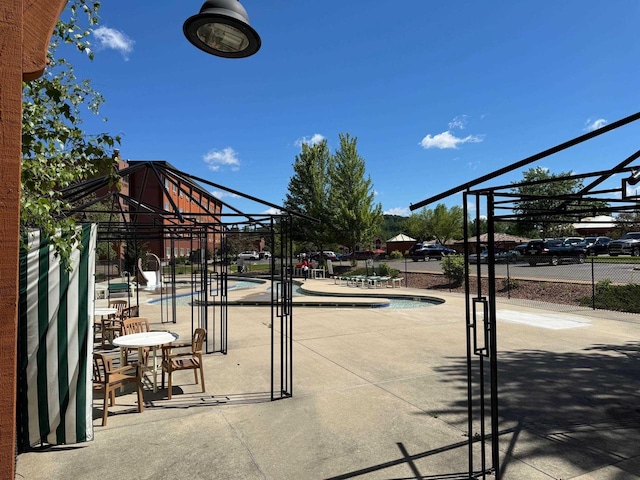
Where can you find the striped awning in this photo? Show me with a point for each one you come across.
(55, 343)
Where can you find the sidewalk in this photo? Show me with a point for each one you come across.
(378, 393)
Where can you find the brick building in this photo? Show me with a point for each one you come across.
(180, 201)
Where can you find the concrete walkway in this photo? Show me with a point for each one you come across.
(379, 393)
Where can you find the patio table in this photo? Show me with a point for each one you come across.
(142, 340)
(102, 312)
(317, 273)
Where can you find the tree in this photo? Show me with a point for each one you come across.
(445, 223)
(441, 223)
(308, 193)
(392, 225)
(416, 225)
(355, 216)
(543, 208)
(626, 222)
(56, 151)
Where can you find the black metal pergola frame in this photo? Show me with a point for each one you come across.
(131, 219)
(501, 205)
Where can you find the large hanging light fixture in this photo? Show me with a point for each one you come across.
(222, 28)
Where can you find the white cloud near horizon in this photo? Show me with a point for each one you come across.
(272, 211)
(446, 140)
(591, 124)
(115, 40)
(400, 211)
(315, 138)
(227, 157)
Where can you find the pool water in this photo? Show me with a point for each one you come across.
(394, 302)
(185, 298)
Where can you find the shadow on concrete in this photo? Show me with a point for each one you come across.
(581, 408)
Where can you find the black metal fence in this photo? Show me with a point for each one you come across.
(569, 286)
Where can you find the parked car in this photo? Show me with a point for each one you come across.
(628, 244)
(326, 254)
(522, 248)
(249, 255)
(421, 251)
(597, 245)
(553, 252)
(501, 256)
(264, 255)
(359, 255)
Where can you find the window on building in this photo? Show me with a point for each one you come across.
(166, 206)
(168, 252)
(175, 251)
(182, 252)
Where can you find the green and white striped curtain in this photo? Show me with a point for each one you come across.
(55, 344)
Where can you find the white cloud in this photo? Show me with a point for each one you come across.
(446, 140)
(459, 122)
(591, 124)
(315, 138)
(222, 194)
(401, 211)
(222, 158)
(114, 39)
(473, 165)
(272, 211)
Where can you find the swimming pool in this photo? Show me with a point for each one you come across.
(398, 303)
(185, 298)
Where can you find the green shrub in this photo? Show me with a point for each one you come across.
(510, 284)
(603, 285)
(621, 298)
(396, 254)
(385, 270)
(453, 268)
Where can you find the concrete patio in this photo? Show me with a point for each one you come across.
(378, 393)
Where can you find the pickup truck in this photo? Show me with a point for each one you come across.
(628, 244)
(554, 252)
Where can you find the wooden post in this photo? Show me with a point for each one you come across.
(11, 17)
(25, 31)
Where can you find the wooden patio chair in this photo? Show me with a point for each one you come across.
(136, 325)
(107, 380)
(186, 360)
(112, 325)
(130, 312)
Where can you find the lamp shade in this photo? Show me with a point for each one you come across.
(222, 29)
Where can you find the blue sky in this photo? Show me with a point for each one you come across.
(437, 93)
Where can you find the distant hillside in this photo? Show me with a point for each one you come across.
(392, 225)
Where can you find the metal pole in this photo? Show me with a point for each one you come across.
(493, 348)
(468, 323)
(593, 286)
